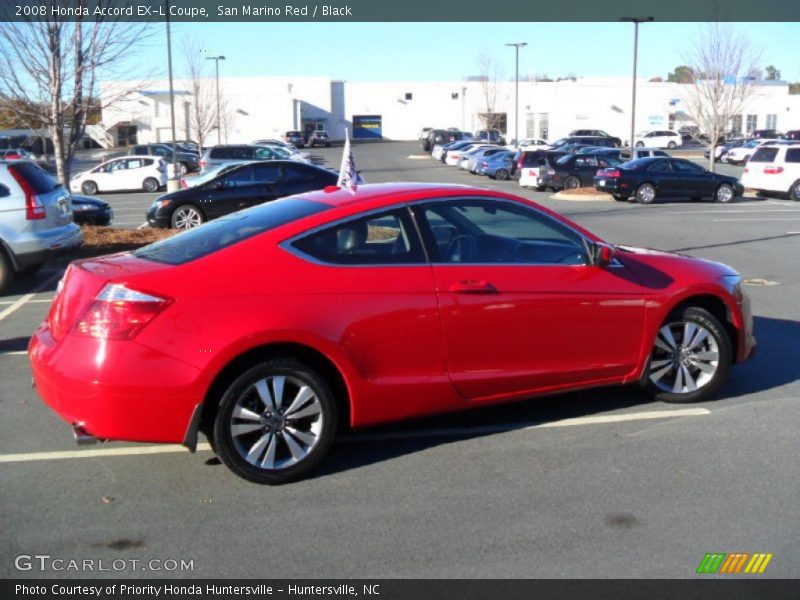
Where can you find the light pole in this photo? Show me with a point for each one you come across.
(172, 183)
(517, 46)
(216, 60)
(635, 21)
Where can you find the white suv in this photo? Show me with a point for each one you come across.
(774, 168)
(658, 139)
(35, 219)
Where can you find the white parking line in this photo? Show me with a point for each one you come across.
(143, 225)
(400, 435)
(742, 220)
(14, 353)
(28, 297)
(7, 302)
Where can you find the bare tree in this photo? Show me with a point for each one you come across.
(49, 71)
(722, 62)
(203, 109)
(490, 74)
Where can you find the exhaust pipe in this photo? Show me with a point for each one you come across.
(82, 438)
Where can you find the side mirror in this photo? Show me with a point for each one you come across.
(602, 254)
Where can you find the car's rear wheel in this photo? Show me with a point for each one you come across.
(6, 272)
(572, 183)
(183, 169)
(690, 359)
(640, 144)
(794, 192)
(724, 194)
(672, 145)
(646, 193)
(187, 216)
(275, 422)
(150, 184)
(541, 188)
(89, 188)
(501, 174)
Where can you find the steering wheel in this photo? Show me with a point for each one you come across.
(461, 248)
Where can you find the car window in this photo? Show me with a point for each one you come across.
(134, 163)
(163, 152)
(485, 231)
(239, 178)
(764, 154)
(584, 162)
(228, 230)
(385, 238)
(682, 166)
(263, 153)
(300, 174)
(4, 191)
(219, 153)
(265, 174)
(117, 165)
(147, 161)
(793, 155)
(661, 166)
(608, 161)
(39, 179)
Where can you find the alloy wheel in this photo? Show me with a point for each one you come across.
(724, 194)
(685, 358)
(276, 422)
(186, 217)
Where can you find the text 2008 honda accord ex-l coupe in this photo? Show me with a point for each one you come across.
(269, 328)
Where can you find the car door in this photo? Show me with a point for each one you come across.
(660, 173)
(134, 173)
(522, 309)
(117, 176)
(693, 180)
(265, 185)
(228, 193)
(298, 178)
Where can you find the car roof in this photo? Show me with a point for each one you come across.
(388, 193)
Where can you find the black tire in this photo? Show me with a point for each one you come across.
(646, 193)
(150, 185)
(640, 144)
(186, 216)
(794, 191)
(6, 272)
(541, 188)
(242, 393)
(672, 145)
(619, 197)
(183, 169)
(501, 174)
(31, 270)
(724, 194)
(724, 351)
(89, 188)
(572, 183)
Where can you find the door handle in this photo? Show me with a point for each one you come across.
(471, 286)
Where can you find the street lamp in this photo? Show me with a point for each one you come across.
(635, 21)
(517, 46)
(216, 60)
(172, 183)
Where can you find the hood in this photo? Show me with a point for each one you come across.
(670, 261)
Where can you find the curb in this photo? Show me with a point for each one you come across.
(596, 197)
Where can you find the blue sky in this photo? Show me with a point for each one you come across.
(447, 51)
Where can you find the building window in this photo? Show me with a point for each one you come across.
(454, 96)
(772, 122)
(736, 125)
(155, 108)
(544, 126)
(409, 96)
(752, 123)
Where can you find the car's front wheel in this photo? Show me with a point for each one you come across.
(691, 357)
(275, 422)
(501, 174)
(186, 217)
(89, 188)
(150, 184)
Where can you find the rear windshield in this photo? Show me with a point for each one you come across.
(764, 154)
(39, 179)
(228, 230)
(235, 152)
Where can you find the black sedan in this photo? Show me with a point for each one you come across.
(91, 211)
(646, 179)
(574, 171)
(243, 186)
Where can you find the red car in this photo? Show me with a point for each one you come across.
(268, 328)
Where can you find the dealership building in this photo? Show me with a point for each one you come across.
(266, 107)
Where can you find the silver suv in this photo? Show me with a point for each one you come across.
(35, 219)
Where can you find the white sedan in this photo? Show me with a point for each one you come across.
(741, 154)
(530, 144)
(148, 173)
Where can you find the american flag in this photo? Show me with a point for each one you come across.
(348, 175)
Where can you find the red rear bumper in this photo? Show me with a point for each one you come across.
(116, 390)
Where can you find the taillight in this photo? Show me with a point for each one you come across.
(183, 183)
(611, 173)
(34, 209)
(772, 170)
(120, 313)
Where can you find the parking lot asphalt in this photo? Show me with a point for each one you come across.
(602, 483)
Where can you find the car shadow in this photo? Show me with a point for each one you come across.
(773, 366)
(17, 344)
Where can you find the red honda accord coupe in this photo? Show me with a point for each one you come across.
(270, 327)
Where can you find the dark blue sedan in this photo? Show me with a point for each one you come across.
(645, 179)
